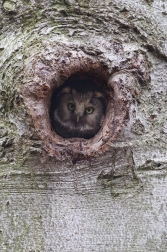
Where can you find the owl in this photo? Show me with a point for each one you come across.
(78, 109)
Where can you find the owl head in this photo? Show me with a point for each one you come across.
(78, 109)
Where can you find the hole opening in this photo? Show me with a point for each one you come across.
(38, 95)
(78, 106)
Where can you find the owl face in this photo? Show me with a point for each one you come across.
(77, 113)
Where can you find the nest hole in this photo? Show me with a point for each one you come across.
(45, 93)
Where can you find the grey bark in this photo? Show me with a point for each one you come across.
(114, 200)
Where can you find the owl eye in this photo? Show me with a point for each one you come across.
(89, 110)
(71, 106)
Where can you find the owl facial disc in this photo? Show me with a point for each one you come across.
(78, 109)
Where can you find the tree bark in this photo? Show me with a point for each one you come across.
(103, 194)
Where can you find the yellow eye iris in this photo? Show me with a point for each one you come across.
(89, 110)
(71, 106)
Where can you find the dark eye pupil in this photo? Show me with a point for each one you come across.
(71, 106)
(89, 110)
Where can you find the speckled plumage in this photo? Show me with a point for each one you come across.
(78, 109)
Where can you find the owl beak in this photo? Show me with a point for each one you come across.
(78, 118)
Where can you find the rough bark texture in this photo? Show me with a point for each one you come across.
(75, 195)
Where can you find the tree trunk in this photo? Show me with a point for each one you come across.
(107, 193)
